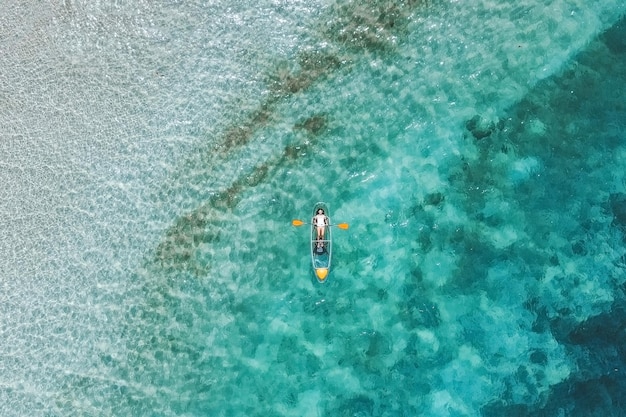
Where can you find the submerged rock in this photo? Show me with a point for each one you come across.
(615, 37)
(617, 202)
(314, 124)
(479, 127)
(434, 199)
(578, 248)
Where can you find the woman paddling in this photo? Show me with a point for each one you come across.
(320, 221)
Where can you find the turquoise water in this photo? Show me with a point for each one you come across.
(154, 155)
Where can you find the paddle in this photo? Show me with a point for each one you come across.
(343, 226)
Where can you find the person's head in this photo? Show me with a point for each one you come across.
(320, 211)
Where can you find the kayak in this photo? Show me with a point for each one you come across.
(321, 250)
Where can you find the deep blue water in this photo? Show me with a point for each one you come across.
(154, 155)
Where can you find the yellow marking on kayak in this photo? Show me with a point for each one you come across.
(321, 273)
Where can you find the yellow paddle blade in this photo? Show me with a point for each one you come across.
(297, 222)
(343, 226)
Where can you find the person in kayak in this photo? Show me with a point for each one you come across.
(320, 249)
(320, 221)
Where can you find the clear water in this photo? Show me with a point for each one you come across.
(154, 154)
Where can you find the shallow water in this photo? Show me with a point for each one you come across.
(155, 155)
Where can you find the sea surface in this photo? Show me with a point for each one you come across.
(154, 153)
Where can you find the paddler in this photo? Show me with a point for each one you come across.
(320, 221)
(320, 249)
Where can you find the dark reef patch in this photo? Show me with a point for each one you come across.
(365, 26)
(617, 202)
(371, 25)
(314, 124)
(434, 199)
(615, 37)
(241, 134)
(356, 406)
(311, 66)
(479, 127)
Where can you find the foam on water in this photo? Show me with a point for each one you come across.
(169, 281)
